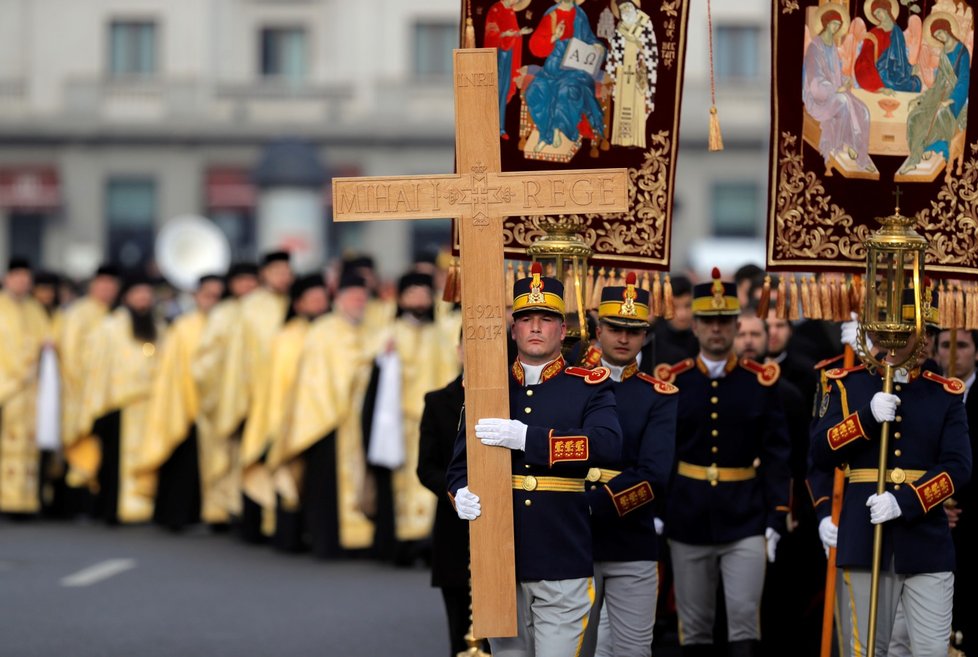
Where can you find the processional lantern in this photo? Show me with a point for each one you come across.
(894, 276)
(563, 247)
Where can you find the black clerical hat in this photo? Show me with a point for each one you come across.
(274, 256)
(242, 269)
(305, 283)
(107, 269)
(413, 279)
(351, 279)
(46, 278)
(17, 262)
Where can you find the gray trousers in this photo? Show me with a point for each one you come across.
(696, 571)
(625, 594)
(927, 602)
(551, 617)
(899, 636)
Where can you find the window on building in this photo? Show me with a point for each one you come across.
(736, 209)
(132, 48)
(433, 44)
(284, 53)
(737, 52)
(25, 235)
(130, 207)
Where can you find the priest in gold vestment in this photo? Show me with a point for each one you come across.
(120, 367)
(79, 322)
(262, 437)
(417, 358)
(22, 330)
(318, 459)
(169, 463)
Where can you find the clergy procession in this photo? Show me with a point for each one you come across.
(601, 441)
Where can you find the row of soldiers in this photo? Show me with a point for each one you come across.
(275, 405)
(710, 452)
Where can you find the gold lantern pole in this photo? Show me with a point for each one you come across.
(894, 263)
(562, 243)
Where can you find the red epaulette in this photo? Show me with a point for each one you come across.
(667, 373)
(662, 387)
(953, 385)
(843, 372)
(822, 364)
(594, 376)
(767, 374)
(592, 357)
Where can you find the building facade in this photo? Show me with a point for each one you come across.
(119, 115)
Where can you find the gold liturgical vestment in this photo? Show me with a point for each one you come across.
(119, 377)
(232, 359)
(23, 327)
(265, 422)
(333, 375)
(428, 362)
(77, 326)
(174, 401)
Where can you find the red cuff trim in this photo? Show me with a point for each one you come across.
(631, 498)
(568, 448)
(935, 491)
(846, 431)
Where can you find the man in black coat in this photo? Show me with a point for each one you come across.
(450, 536)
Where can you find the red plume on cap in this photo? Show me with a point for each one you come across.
(630, 278)
(536, 268)
(716, 273)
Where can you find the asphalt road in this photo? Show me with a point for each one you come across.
(95, 591)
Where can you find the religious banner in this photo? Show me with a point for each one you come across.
(591, 84)
(871, 109)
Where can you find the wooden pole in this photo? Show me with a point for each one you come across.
(838, 485)
(874, 591)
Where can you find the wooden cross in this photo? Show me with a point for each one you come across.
(479, 197)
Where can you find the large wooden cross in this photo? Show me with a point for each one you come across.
(479, 197)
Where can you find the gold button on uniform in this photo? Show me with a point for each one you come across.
(897, 435)
(529, 393)
(529, 483)
(527, 466)
(898, 476)
(714, 433)
(714, 400)
(898, 418)
(594, 488)
(897, 453)
(714, 449)
(714, 383)
(714, 416)
(896, 487)
(528, 503)
(594, 474)
(898, 388)
(527, 409)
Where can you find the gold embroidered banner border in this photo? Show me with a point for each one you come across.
(859, 111)
(607, 89)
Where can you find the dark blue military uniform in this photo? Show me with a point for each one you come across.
(623, 509)
(930, 457)
(572, 426)
(723, 425)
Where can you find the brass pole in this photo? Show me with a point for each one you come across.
(874, 591)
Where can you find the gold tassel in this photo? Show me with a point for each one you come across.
(806, 298)
(469, 33)
(656, 295)
(765, 302)
(645, 281)
(599, 283)
(781, 305)
(451, 279)
(716, 137)
(969, 305)
(834, 293)
(510, 280)
(521, 271)
(793, 299)
(816, 298)
(668, 310)
(845, 309)
(588, 286)
(825, 290)
(941, 305)
(858, 295)
(958, 306)
(570, 291)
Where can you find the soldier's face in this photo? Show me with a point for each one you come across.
(778, 333)
(964, 361)
(538, 336)
(715, 335)
(751, 338)
(682, 307)
(619, 346)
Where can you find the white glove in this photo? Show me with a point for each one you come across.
(828, 531)
(498, 432)
(467, 504)
(884, 405)
(883, 507)
(850, 333)
(772, 537)
(659, 526)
